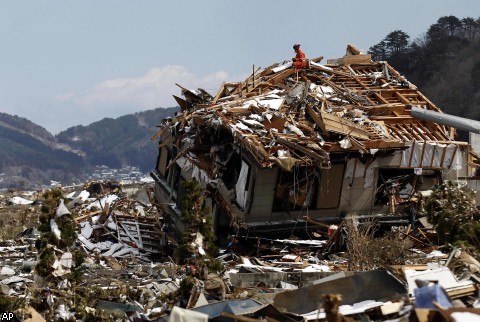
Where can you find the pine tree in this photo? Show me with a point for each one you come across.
(197, 219)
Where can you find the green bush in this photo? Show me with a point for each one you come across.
(451, 209)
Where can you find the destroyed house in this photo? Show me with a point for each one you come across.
(290, 145)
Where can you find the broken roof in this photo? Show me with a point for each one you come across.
(287, 117)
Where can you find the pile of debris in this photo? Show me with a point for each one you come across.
(260, 278)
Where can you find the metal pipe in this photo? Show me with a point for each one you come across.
(457, 122)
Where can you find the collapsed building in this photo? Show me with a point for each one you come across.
(286, 146)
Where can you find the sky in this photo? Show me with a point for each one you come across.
(65, 63)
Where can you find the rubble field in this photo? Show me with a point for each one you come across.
(119, 267)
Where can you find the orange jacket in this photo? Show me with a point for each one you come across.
(299, 60)
(300, 56)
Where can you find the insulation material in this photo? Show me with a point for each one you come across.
(273, 104)
(286, 163)
(432, 155)
(345, 143)
(416, 155)
(355, 169)
(406, 155)
(241, 185)
(428, 154)
(370, 175)
(437, 155)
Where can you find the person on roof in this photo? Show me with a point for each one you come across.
(299, 60)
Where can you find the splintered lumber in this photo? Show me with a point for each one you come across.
(159, 133)
(353, 50)
(302, 149)
(344, 126)
(357, 100)
(316, 118)
(357, 59)
(221, 91)
(315, 222)
(281, 76)
(181, 102)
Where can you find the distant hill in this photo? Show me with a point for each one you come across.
(30, 155)
(444, 63)
(118, 142)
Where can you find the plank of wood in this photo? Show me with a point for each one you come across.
(220, 93)
(316, 118)
(163, 129)
(340, 125)
(281, 76)
(315, 222)
(357, 59)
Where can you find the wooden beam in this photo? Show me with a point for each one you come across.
(221, 91)
(304, 150)
(315, 222)
(340, 125)
(316, 118)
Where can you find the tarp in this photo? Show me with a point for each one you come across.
(372, 285)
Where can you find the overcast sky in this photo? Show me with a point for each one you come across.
(65, 63)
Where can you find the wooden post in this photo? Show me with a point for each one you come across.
(253, 76)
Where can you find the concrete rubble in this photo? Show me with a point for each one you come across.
(111, 252)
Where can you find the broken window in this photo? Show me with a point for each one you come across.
(399, 185)
(180, 188)
(173, 178)
(232, 170)
(296, 189)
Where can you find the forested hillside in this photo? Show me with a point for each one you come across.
(444, 62)
(29, 154)
(119, 142)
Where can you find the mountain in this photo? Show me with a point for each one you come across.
(29, 154)
(118, 142)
